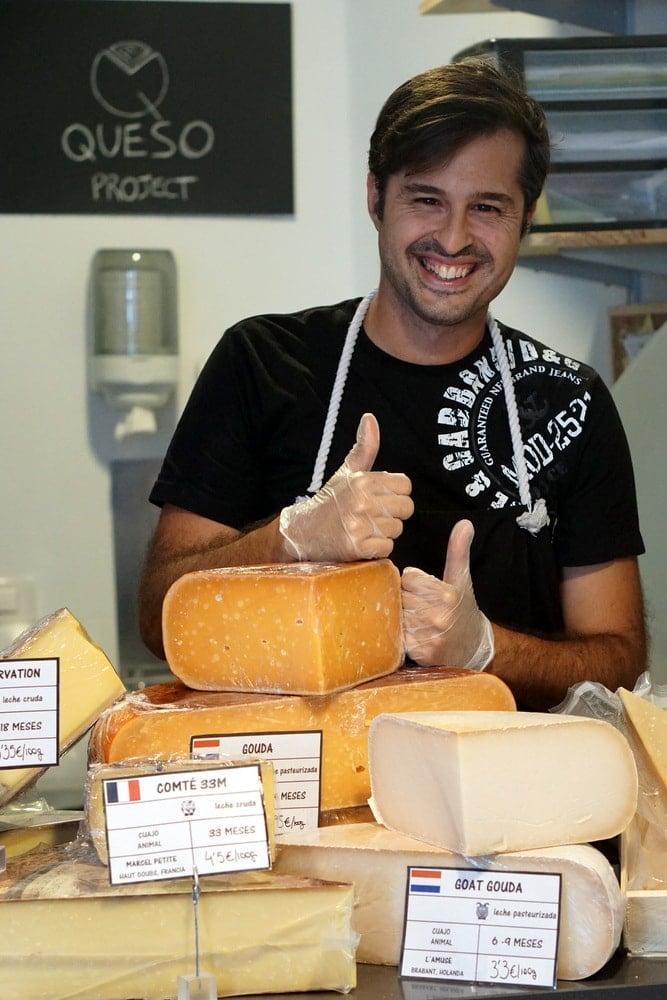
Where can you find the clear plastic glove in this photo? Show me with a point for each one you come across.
(356, 515)
(442, 624)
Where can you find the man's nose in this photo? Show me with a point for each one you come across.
(454, 235)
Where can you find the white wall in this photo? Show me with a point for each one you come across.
(56, 442)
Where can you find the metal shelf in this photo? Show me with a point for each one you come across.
(612, 16)
(615, 256)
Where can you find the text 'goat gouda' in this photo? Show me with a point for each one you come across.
(488, 782)
(297, 628)
(161, 720)
(88, 684)
(375, 860)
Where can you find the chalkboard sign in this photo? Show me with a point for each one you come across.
(145, 107)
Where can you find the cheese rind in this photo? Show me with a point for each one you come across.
(489, 782)
(375, 860)
(162, 719)
(297, 628)
(95, 814)
(88, 684)
(68, 932)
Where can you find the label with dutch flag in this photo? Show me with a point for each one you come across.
(480, 926)
(297, 765)
(165, 825)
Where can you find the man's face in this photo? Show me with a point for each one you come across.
(449, 236)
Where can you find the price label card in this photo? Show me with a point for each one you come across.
(476, 926)
(29, 722)
(165, 825)
(297, 765)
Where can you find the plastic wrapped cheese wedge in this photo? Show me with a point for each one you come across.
(99, 773)
(88, 684)
(375, 860)
(68, 933)
(644, 842)
(487, 782)
(161, 720)
(648, 724)
(297, 628)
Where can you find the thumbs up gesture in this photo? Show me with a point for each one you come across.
(357, 514)
(442, 624)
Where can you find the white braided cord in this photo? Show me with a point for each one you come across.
(337, 392)
(534, 517)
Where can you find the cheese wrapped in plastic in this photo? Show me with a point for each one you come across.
(88, 684)
(67, 932)
(291, 628)
(163, 719)
(375, 860)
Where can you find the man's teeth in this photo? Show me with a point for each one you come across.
(447, 272)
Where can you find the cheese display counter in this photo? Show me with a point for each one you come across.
(413, 766)
(622, 979)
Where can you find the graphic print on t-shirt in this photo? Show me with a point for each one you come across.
(473, 428)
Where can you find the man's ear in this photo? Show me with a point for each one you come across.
(373, 200)
(528, 219)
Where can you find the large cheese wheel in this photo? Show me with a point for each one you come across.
(297, 628)
(68, 933)
(488, 782)
(162, 719)
(375, 860)
(87, 683)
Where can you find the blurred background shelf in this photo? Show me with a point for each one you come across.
(613, 16)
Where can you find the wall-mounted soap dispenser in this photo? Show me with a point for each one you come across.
(134, 344)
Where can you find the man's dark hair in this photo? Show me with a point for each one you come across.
(433, 115)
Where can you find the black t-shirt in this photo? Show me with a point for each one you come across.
(246, 445)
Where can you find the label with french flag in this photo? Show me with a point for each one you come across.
(122, 791)
(170, 823)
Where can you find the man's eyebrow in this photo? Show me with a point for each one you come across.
(414, 187)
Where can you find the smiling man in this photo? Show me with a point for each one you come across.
(412, 425)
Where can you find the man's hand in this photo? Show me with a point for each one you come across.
(442, 623)
(356, 515)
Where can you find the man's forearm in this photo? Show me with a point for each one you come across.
(540, 671)
(162, 567)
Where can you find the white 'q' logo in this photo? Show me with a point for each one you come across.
(129, 79)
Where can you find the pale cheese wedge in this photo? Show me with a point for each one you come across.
(94, 810)
(294, 628)
(68, 933)
(375, 860)
(489, 782)
(161, 720)
(648, 723)
(88, 684)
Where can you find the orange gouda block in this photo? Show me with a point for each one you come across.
(162, 719)
(298, 628)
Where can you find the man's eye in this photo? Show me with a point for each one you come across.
(483, 207)
(425, 200)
